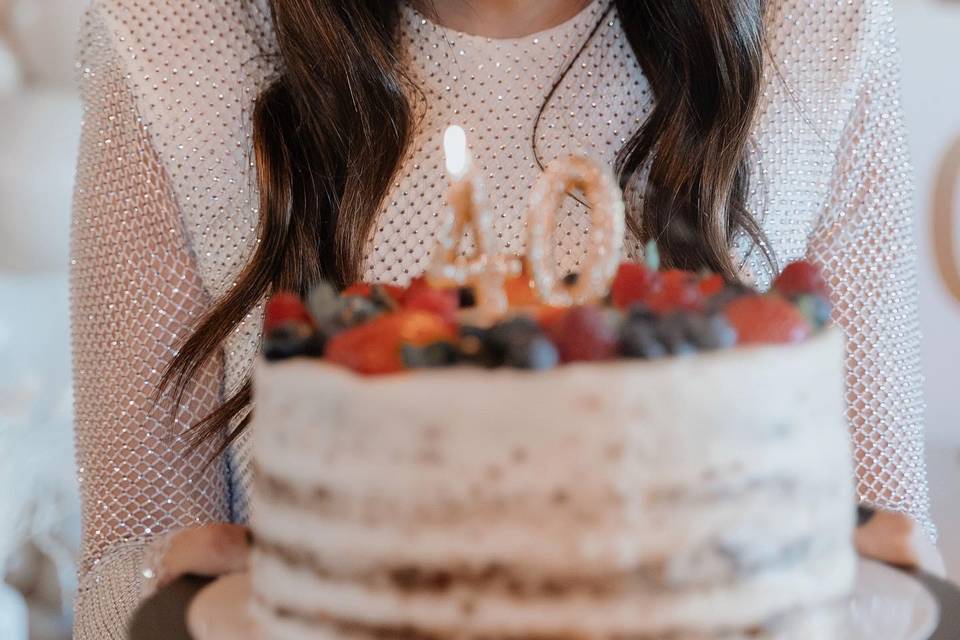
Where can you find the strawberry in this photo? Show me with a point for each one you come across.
(376, 347)
(284, 307)
(441, 302)
(416, 286)
(712, 284)
(633, 283)
(769, 319)
(585, 334)
(799, 278)
(680, 291)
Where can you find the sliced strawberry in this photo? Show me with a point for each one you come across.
(375, 348)
(416, 286)
(441, 302)
(769, 319)
(284, 307)
(799, 278)
(711, 285)
(633, 283)
(680, 291)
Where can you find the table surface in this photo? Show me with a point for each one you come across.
(162, 617)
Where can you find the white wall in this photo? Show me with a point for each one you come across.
(930, 34)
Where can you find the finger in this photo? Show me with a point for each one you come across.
(210, 550)
(221, 611)
(889, 537)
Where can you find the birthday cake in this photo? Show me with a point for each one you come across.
(667, 461)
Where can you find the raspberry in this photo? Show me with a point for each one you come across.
(768, 319)
(633, 283)
(284, 307)
(680, 290)
(376, 347)
(712, 284)
(799, 278)
(441, 302)
(585, 334)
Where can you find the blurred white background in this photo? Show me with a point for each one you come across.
(39, 127)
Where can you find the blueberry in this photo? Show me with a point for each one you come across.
(675, 334)
(815, 308)
(532, 352)
(356, 310)
(382, 299)
(711, 331)
(639, 338)
(289, 340)
(640, 311)
(437, 354)
(520, 343)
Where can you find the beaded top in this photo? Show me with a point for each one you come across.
(166, 216)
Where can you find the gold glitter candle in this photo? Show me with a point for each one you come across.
(607, 216)
(485, 269)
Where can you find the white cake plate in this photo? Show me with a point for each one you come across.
(890, 604)
(886, 603)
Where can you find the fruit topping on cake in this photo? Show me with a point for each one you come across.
(648, 314)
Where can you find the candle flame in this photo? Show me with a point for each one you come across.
(455, 150)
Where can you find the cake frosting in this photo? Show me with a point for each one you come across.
(698, 497)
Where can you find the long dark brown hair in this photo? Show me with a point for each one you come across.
(330, 131)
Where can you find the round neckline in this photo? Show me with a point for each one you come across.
(589, 12)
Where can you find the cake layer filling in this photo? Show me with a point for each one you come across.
(747, 602)
(713, 566)
(752, 526)
(824, 622)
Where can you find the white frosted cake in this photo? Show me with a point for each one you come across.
(677, 498)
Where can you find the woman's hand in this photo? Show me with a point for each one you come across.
(210, 550)
(221, 611)
(894, 538)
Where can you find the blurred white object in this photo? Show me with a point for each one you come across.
(39, 511)
(44, 35)
(40, 130)
(13, 614)
(9, 70)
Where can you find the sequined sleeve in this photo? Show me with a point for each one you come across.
(865, 245)
(135, 292)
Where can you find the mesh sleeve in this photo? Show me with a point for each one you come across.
(865, 247)
(135, 293)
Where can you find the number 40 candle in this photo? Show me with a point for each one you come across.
(486, 269)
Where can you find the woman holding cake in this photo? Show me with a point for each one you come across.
(235, 147)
